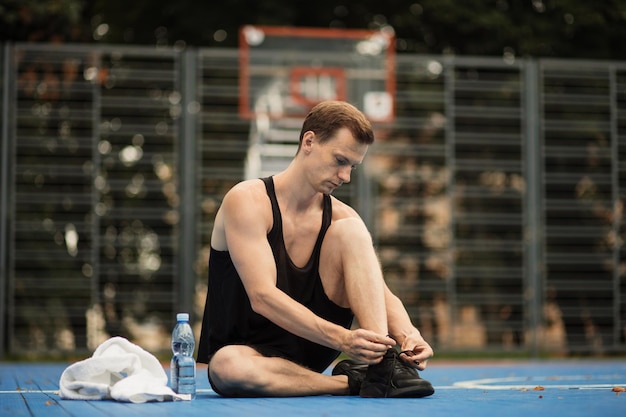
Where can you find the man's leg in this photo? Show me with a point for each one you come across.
(241, 371)
(351, 273)
(352, 276)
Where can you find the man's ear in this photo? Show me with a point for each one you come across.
(307, 141)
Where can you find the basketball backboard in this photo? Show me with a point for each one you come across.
(285, 71)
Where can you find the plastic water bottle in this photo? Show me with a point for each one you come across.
(183, 365)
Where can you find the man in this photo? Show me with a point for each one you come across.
(290, 266)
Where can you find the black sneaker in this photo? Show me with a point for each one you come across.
(392, 378)
(354, 371)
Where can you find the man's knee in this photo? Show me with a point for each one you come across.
(228, 372)
(346, 239)
(345, 228)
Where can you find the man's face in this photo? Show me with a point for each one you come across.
(331, 163)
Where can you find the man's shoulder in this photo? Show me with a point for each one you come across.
(247, 189)
(246, 201)
(248, 195)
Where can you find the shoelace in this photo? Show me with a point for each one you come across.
(408, 353)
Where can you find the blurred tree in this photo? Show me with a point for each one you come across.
(541, 28)
(42, 21)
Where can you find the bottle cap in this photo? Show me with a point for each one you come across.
(182, 317)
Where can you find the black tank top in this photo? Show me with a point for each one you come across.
(229, 319)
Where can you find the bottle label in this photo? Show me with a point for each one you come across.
(183, 375)
(186, 372)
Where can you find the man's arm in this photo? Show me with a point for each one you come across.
(416, 350)
(246, 222)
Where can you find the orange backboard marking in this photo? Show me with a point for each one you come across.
(310, 86)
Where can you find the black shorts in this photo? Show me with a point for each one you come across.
(230, 320)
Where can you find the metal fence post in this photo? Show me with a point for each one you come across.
(5, 201)
(615, 191)
(4, 183)
(96, 112)
(188, 169)
(533, 209)
(451, 160)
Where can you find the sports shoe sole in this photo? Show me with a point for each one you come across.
(419, 390)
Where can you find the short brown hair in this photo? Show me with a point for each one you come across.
(329, 116)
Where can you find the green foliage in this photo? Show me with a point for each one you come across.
(540, 28)
(41, 21)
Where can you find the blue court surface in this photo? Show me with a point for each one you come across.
(552, 388)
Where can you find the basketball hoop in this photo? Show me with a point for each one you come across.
(285, 71)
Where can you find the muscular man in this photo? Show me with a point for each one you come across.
(289, 268)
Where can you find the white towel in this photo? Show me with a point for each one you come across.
(117, 370)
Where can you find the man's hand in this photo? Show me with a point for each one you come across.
(366, 346)
(415, 351)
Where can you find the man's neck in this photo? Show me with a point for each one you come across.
(293, 190)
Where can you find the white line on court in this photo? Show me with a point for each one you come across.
(546, 382)
(56, 391)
